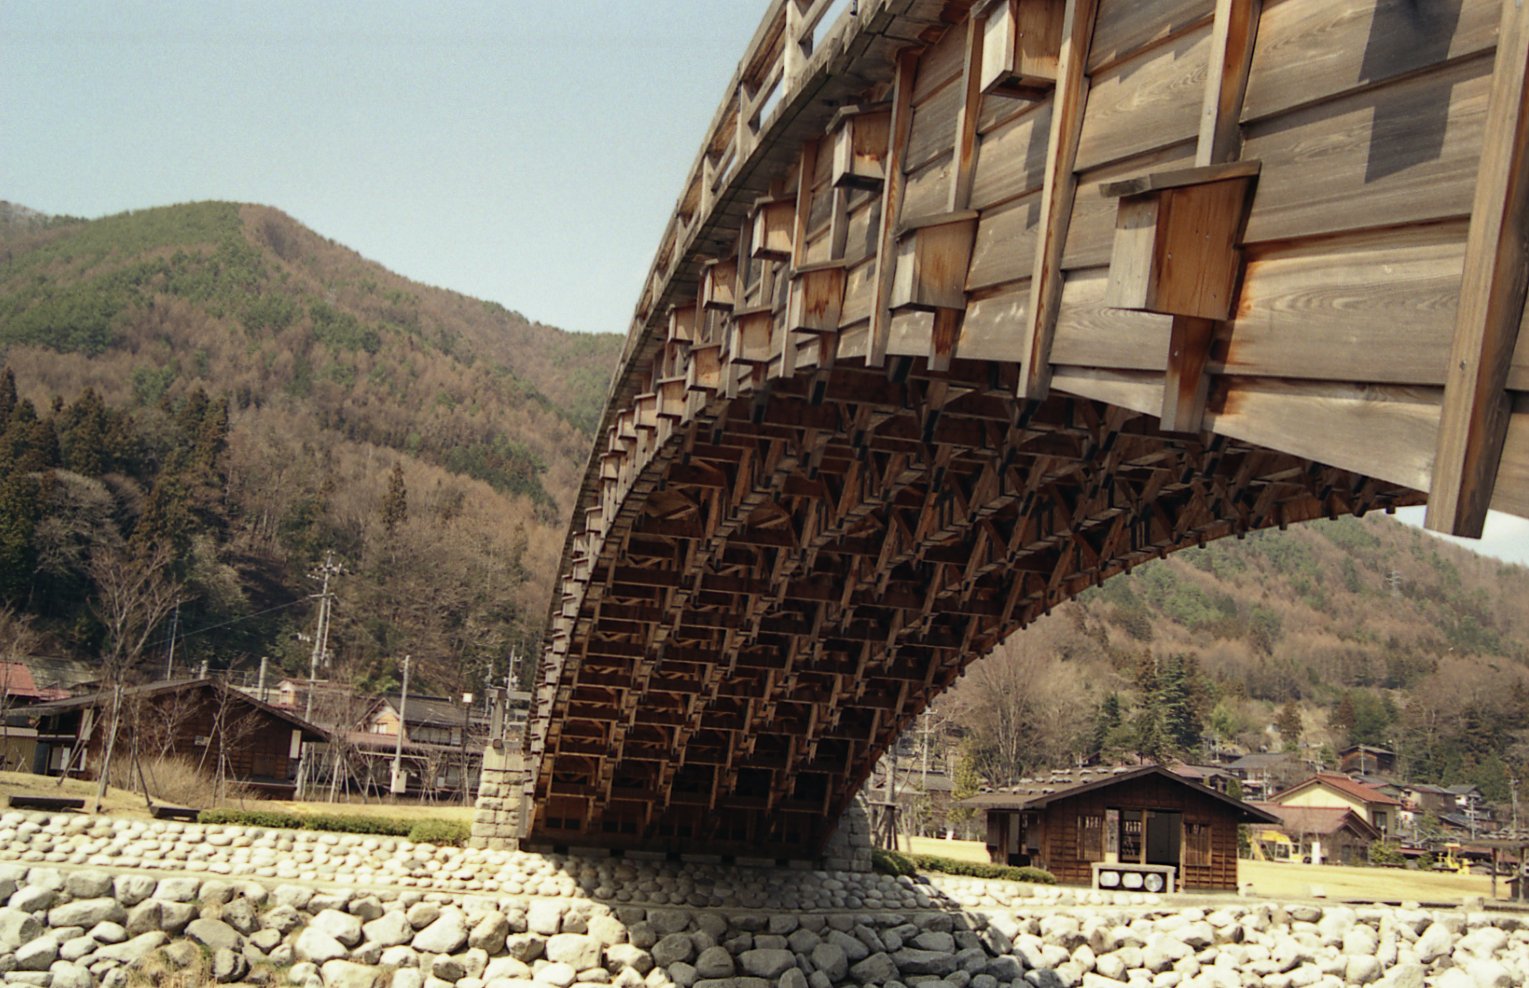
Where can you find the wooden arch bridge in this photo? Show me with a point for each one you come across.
(966, 307)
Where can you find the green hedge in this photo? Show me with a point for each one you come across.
(424, 831)
(891, 863)
(981, 869)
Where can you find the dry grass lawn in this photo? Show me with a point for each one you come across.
(127, 803)
(1274, 880)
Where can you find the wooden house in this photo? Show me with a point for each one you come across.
(1334, 790)
(1366, 759)
(1072, 822)
(203, 721)
(1324, 834)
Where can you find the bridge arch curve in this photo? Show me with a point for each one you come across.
(946, 330)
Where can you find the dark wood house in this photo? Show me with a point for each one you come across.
(203, 721)
(1071, 822)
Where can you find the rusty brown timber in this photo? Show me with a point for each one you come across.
(964, 309)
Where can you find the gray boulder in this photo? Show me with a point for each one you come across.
(347, 974)
(16, 928)
(444, 936)
(579, 951)
(342, 926)
(214, 934)
(317, 947)
(875, 969)
(228, 966)
(767, 962)
(390, 929)
(830, 959)
(672, 949)
(490, 933)
(714, 962)
(88, 884)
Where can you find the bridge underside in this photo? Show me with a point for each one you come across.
(966, 307)
(813, 562)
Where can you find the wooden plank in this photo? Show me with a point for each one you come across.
(1005, 247)
(1185, 383)
(1090, 333)
(930, 135)
(992, 327)
(1091, 234)
(891, 208)
(1404, 153)
(1379, 431)
(1307, 310)
(1126, 26)
(1474, 419)
(939, 66)
(1311, 50)
(1512, 493)
(1011, 160)
(1177, 178)
(1231, 52)
(1142, 392)
(927, 190)
(1072, 94)
(1147, 102)
(965, 157)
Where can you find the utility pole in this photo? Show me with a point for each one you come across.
(1513, 789)
(175, 621)
(320, 650)
(321, 636)
(399, 785)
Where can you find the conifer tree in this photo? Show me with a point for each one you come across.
(395, 505)
(1289, 725)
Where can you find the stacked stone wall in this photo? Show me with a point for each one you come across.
(117, 903)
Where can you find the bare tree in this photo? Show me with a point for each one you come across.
(134, 594)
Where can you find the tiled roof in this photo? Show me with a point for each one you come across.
(1319, 820)
(1343, 784)
(1042, 790)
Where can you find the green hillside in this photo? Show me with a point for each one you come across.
(1340, 631)
(311, 376)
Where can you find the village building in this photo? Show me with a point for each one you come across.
(209, 724)
(1331, 789)
(1315, 835)
(1077, 823)
(1262, 773)
(1366, 759)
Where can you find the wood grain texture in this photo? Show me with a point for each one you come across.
(1136, 390)
(993, 328)
(1383, 432)
(1011, 160)
(1146, 102)
(891, 205)
(1474, 420)
(1090, 333)
(1126, 26)
(933, 131)
(1306, 310)
(940, 65)
(927, 190)
(1309, 50)
(1091, 234)
(1057, 195)
(1005, 248)
(1403, 153)
(859, 291)
(1512, 493)
(1233, 34)
(1518, 373)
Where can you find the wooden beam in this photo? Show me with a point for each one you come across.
(1231, 54)
(891, 205)
(1057, 193)
(966, 120)
(1473, 421)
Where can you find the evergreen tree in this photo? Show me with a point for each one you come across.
(82, 435)
(1289, 725)
(1107, 720)
(7, 396)
(395, 505)
(1343, 718)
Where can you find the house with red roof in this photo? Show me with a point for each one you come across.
(1322, 834)
(1332, 790)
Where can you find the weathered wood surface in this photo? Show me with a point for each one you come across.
(807, 511)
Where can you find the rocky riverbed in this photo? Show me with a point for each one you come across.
(84, 920)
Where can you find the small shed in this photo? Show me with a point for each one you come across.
(202, 720)
(1069, 822)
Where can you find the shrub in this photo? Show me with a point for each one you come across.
(429, 831)
(175, 780)
(440, 832)
(891, 863)
(982, 869)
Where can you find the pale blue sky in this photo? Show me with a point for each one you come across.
(528, 153)
(525, 152)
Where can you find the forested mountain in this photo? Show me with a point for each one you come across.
(1333, 632)
(218, 377)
